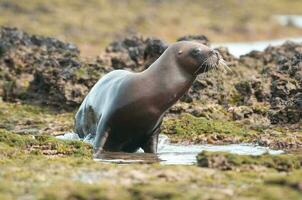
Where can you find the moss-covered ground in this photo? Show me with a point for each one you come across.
(27, 119)
(27, 174)
(220, 131)
(221, 160)
(35, 165)
(35, 120)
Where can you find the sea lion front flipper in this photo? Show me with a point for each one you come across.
(151, 144)
(102, 133)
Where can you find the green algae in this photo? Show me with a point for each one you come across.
(292, 181)
(41, 177)
(29, 119)
(36, 124)
(189, 127)
(76, 190)
(186, 127)
(15, 140)
(140, 182)
(42, 167)
(193, 125)
(44, 144)
(88, 72)
(276, 186)
(223, 160)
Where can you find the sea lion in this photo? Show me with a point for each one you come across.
(124, 110)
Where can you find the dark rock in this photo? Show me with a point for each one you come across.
(43, 70)
(154, 49)
(135, 53)
(198, 38)
(47, 71)
(2, 48)
(286, 91)
(281, 68)
(244, 88)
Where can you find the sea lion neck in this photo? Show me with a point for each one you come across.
(169, 81)
(166, 67)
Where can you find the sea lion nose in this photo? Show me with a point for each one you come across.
(214, 52)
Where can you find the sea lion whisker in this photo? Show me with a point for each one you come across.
(213, 63)
(201, 66)
(208, 64)
(216, 66)
(222, 66)
(207, 68)
(226, 66)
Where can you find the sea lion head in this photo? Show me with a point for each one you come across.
(196, 58)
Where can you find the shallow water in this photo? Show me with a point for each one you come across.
(289, 20)
(241, 48)
(169, 153)
(184, 154)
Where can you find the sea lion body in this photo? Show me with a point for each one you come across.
(124, 110)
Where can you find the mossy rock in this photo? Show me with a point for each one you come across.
(44, 145)
(188, 127)
(226, 161)
(75, 190)
(29, 119)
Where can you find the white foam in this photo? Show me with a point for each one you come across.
(186, 153)
(73, 136)
(69, 136)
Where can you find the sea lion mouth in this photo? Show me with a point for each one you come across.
(215, 61)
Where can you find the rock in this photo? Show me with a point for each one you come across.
(135, 53)
(198, 38)
(286, 91)
(251, 91)
(47, 71)
(280, 69)
(44, 70)
(215, 161)
(244, 88)
(240, 112)
(154, 48)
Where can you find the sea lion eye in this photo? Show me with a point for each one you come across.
(195, 52)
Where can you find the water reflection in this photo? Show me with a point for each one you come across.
(184, 154)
